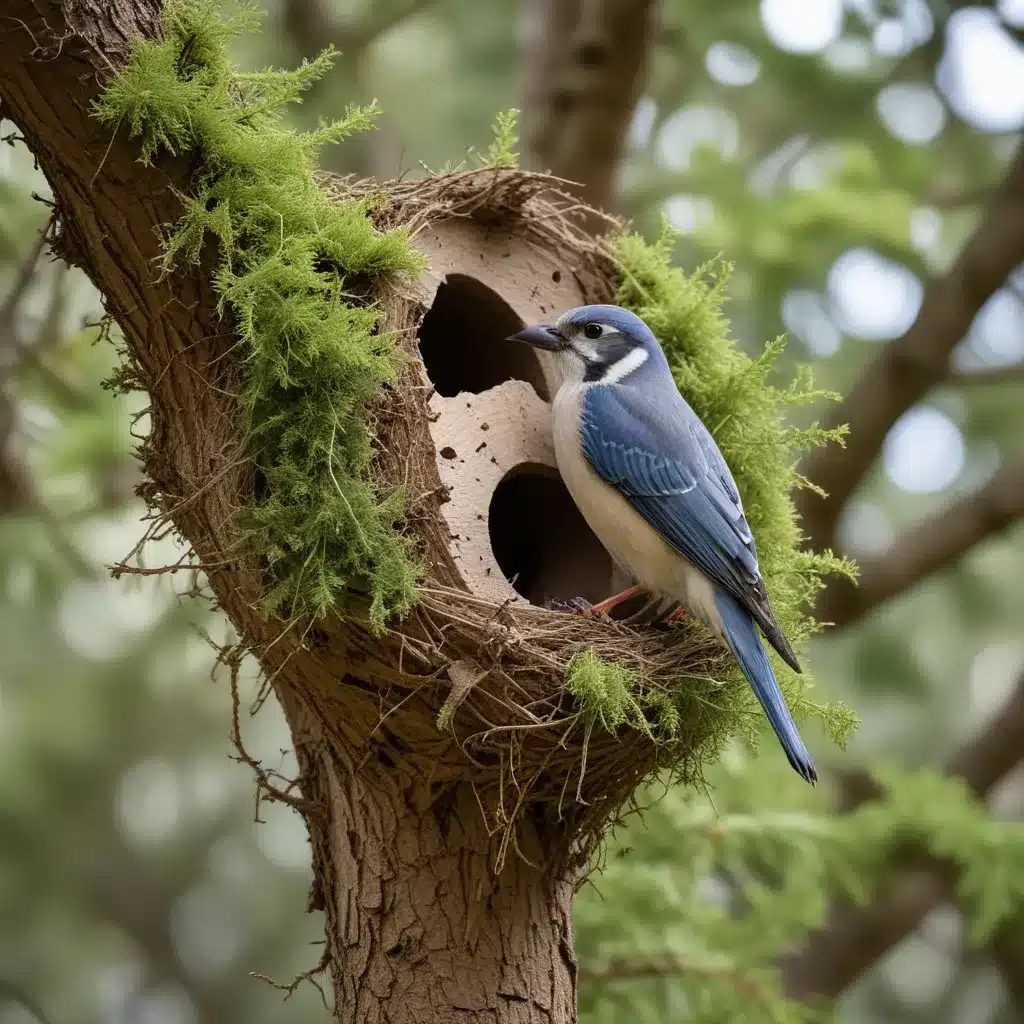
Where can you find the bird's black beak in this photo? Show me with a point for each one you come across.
(539, 336)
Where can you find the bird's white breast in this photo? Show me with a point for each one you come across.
(627, 537)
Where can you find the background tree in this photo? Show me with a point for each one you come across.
(862, 175)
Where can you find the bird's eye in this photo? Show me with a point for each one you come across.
(592, 331)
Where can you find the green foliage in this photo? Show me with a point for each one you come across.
(706, 898)
(501, 152)
(781, 234)
(315, 354)
(940, 812)
(610, 695)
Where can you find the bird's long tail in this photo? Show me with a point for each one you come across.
(745, 644)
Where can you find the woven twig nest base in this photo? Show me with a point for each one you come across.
(474, 677)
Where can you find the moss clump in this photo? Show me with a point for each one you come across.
(611, 695)
(314, 353)
(502, 150)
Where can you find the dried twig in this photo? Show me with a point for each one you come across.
(311, 976)
(232, 658)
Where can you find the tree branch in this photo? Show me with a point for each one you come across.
(11, 992)
(910, 367)
(22, 283)
(312, 25)
(16, 491)
(928, 547)
(663, 184)
(628, 970)
(583, 63)
(855, 937)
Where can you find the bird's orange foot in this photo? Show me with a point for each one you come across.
(677, 616)
(605, 606)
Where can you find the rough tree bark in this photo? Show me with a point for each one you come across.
(423, 929)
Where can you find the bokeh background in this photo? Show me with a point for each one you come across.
(840, 155)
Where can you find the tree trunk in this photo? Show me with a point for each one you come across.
(442, 763)
(419, 927)
(584, 65)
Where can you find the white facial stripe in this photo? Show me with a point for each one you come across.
(629, 363)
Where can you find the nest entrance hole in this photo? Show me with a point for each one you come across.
(462, 341)
(541, 541)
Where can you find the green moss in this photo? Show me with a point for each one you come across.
(611, 695)
(314, 354)
(502, 150)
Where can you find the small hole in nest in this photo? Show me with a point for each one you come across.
(462, 341)
(542, 542)
(592, 55)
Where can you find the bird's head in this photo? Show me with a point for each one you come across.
(598, 344)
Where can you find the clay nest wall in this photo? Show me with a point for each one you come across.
(472, 683)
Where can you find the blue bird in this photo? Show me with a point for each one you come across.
(650, 481)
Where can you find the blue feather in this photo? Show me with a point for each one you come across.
(652, 447)
(745, 644)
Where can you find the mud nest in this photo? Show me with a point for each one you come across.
(473, 682)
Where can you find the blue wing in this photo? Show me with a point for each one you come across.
(662, 459)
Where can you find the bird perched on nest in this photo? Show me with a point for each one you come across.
(650, 481)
